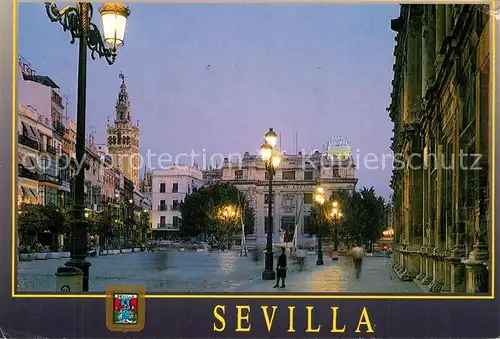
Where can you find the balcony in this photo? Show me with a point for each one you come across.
(25, 173)
(168, 227)
(59, 128)
(50, 179)
(162, 207)
(27, 141)
(51, 150)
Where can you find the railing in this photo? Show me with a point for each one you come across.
(162, 207)
(59, 128)
(25, 173)
(167, 226)
(51, 149)
(27, 141)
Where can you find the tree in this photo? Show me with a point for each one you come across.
(319, 221)
(56, 220)
(363, 219)
(32, 219)
(374, 216)
(200, 212)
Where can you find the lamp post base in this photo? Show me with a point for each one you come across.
(84, 265)
(268, 275)
(319, 261)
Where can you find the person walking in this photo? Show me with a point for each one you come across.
(281, 269)
(357, 256)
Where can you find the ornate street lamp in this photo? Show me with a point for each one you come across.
(319, 197)
(335, 215)
(272, 160)
(77, 20)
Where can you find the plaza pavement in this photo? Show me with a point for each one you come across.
(338, 277)
(191, 272)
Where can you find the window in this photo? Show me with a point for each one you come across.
(48, 166)
(266, 175)
(51, 197)
(175, 221)
(162, 221)
(308, 175)
(335, 172)
(238, 174)
(308, 198)
(288, 175)
(308, 227)
(162, 205)
(175, 205)
(266, 198)
(162, 187)
(175, 187)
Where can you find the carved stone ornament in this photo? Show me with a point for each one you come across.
(288, 203)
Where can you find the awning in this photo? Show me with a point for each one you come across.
(29, 193)
(28, 162)
(31, 131)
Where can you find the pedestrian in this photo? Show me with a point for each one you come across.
(281, 269)
(357, 256)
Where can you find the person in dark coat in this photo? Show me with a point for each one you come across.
(281, 269)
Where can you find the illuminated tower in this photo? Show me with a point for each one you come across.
(123, 137)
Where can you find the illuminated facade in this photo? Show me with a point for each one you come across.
(440, 109)
(293, 188)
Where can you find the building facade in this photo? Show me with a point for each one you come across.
(293, 189)
(27, 156)
(123, 137)
(169, 188)
(212, 176)
(441, 111)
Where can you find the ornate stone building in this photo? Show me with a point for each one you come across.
(440, 109)
(212, 175)
(123, 138)
(293, 188)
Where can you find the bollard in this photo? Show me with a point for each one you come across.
(69, 279)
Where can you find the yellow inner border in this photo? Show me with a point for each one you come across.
(259, 296)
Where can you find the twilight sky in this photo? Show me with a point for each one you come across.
(217, 76)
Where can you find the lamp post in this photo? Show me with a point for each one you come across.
(77, 20)
(227, 214)
(272, 159)
(320, 200)
(336, 215)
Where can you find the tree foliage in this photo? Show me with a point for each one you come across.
(364, 216)
(32, 219)
(200, 212)
(101, 223)
(319, 221)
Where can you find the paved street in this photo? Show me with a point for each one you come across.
(216, 272)
(338, 276)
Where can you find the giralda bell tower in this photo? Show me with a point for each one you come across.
(123, 137)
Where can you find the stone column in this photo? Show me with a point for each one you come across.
(477, 277)
(414, 58)
(425, 193)
(449, 18)
(440, 30)
(429, 232)
(437, 259)
(428, 48)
